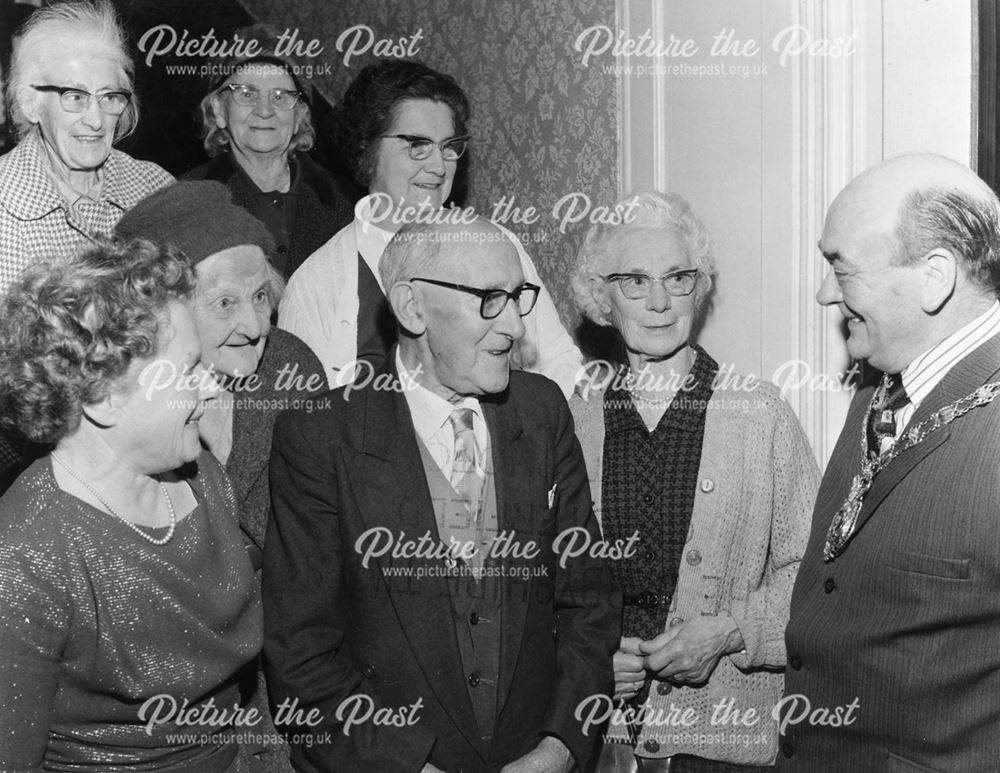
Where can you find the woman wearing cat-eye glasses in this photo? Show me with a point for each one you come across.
(402, 128)
(257, 127)
(71, 96)
(709, 480)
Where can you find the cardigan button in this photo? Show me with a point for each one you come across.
(708, 485)
(676, 622)
(664, 688)
(368, 671)
(651, 746)
(693, 557)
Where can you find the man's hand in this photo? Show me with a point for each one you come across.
(550, 756)
(690, 651)
(630, 668)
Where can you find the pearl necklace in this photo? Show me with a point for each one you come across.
(122, 518)
(639, 399)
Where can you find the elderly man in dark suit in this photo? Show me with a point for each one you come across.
(422, 612)
(894, 636)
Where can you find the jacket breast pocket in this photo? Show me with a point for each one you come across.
(897, 764)
(931, 566)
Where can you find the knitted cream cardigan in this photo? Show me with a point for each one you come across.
(757, 485)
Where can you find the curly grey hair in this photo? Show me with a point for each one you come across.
(652, 210)
(71, 329)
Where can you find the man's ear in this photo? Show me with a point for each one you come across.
(407, 302)
(940, 271)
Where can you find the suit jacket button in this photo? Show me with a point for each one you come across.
(694, 557)
(795, 662)
(663, 688)
(474, 619)
(786, 749)
(708, 485)
(368, 671)
(474, 679)
(647, 499)
(651, 746)
(829, 585)
(649, 556)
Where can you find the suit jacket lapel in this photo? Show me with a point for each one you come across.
(512, 465)
(394, 496)
(963, 379)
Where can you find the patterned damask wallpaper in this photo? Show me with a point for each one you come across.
(545, 126)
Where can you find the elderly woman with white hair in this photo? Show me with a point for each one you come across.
(70, 94)
(71, 97)
(707, 483)
(257, 128)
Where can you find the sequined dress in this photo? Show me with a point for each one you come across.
(101, 632)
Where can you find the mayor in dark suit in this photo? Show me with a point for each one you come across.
(433, 600)
(894, 634)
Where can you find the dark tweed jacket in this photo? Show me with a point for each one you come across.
(325, 204)
(253, 422)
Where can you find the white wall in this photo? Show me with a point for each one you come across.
(762, 146)
(927, 73)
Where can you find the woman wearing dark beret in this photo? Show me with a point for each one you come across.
(261, 370)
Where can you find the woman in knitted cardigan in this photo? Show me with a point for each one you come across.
(705, 483)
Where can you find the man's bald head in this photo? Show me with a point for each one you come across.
(927, 201)
(418, 248)
(913, 246)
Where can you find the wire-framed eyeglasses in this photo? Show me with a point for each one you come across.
(245, 95)
(637, 286)
(422, 147)
(494, 301)
(77, 100)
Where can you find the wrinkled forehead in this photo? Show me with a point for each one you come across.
(82, 64)
(262, 73)
(239, 264)
(653, 250)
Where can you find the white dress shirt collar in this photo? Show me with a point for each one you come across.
(926, 371)
(430, 413)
